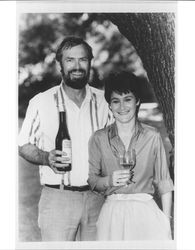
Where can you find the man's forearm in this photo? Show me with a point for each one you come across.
(33, 154)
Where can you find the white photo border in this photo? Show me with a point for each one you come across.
(96, 6)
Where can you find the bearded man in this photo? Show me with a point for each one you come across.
(66, 205)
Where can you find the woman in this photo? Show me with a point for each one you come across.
(129, 212)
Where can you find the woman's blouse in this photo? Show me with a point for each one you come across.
(150, 172)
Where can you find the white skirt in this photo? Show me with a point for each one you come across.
(132, 217)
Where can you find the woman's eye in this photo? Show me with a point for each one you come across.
(115, 101)
(128, 100)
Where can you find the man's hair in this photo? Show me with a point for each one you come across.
(68, 43)
(122, 82)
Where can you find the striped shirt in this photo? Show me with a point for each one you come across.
(41, 125)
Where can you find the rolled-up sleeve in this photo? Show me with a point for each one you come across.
(30, 130)
(162, 178)
(96, 181)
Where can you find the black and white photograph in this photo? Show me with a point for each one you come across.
(96, 125)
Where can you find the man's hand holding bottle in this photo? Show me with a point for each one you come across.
(58, 161)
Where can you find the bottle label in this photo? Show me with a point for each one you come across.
(66, 147)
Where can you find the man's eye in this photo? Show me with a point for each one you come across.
(84, 59)
(68, 60)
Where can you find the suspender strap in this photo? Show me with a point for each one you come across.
(91, 116)
(62, 98)
(96, 110)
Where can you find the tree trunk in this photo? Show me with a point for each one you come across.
(152, 35)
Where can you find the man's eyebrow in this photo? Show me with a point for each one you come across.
(84, 57)
(70, 57)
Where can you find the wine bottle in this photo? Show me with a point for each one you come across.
(63, 141)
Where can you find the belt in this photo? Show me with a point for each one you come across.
(71, 188)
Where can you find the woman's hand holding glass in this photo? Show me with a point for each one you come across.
(128, 161)
(120, 177)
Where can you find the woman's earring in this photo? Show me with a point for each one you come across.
(110, 107)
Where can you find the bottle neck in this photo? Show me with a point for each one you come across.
(63, 123)
(62, 118)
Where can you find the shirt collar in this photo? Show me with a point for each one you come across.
(89, 94)
(113, 131)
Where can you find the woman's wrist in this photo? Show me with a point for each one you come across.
(110, 180)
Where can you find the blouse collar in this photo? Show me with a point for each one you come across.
(113, 131)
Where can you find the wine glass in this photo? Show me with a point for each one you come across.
(128, 161)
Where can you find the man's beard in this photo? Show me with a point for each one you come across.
(75, 83)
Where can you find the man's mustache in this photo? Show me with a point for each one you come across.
(77, 71)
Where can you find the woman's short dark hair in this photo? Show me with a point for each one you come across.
(122, 82)
(68, 43)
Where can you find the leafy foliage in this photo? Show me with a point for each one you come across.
(39, 36)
